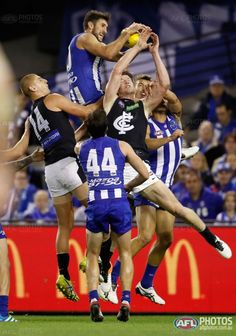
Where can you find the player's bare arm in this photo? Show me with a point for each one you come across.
(111, 92)
(162, 75)
(154, 144)
(57, 103)
(36, 156)
(174, 104)
(19, 149)
(111, 51)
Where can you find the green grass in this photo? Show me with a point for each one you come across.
(71, 325)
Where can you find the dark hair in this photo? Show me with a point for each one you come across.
(144, 77)
(97, 123)
(129, 74)
(95, 15)
(223, 105)
(230, 136)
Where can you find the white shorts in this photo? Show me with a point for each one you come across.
(130, 173)
(64, 176)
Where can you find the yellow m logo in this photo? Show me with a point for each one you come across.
(172, 265)
(19, 276)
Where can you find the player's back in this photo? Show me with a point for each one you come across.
(83, 70)
(103, 163)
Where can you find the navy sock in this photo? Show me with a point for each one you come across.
(209, 236)
(105, 255)
(115, 273)
(125, 296)
(148, 276)
(4, 305)
(93, 295)
(63, 260)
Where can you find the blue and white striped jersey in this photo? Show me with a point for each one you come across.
(223, 219)
(165, 160)
(83, 70)
(103, 163)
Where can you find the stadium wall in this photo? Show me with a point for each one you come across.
(193, 277)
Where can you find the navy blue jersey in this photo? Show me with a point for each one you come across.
(103, 163)
(207, 206)
(127, 122)
(53, 131)
(83, 70)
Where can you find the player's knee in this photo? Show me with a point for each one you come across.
(145, 237)
(165, 239)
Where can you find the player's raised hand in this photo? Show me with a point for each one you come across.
(177, 134)
(143, 37)
(155, 42)
(136, 28)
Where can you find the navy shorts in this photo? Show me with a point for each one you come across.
(114, 213)
(2, 233)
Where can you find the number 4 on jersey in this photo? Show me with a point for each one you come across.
(108, 162)
(42, 124)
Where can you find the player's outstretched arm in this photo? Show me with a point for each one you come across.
(36, 156)
(115, 77)
(57, 103)
(111, 51)
(20, 147)
(174, 104)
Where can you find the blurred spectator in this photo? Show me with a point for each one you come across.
(206, 139)
(79, 210)
(22, 195)
(201, 199)
(225, 123)
(178, 187)
(223, 179)
(229, 148)
(199, 163)
(228, 216)
(216, 95)
(80, 215)
(42, 211)
(21, 112)
(231, 160)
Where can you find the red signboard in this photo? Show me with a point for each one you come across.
(193, 278)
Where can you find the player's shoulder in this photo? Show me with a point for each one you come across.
(52, 97)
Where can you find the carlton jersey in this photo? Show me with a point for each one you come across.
(103, 163)
(127, 122)
(53, 131)
(83, 70)
(165, 160)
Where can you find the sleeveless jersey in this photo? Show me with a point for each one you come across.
(53, 131)
(103, 163)
(165, 160)
(127, 122)
(83, 70)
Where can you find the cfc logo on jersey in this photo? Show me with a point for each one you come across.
(122, 123)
